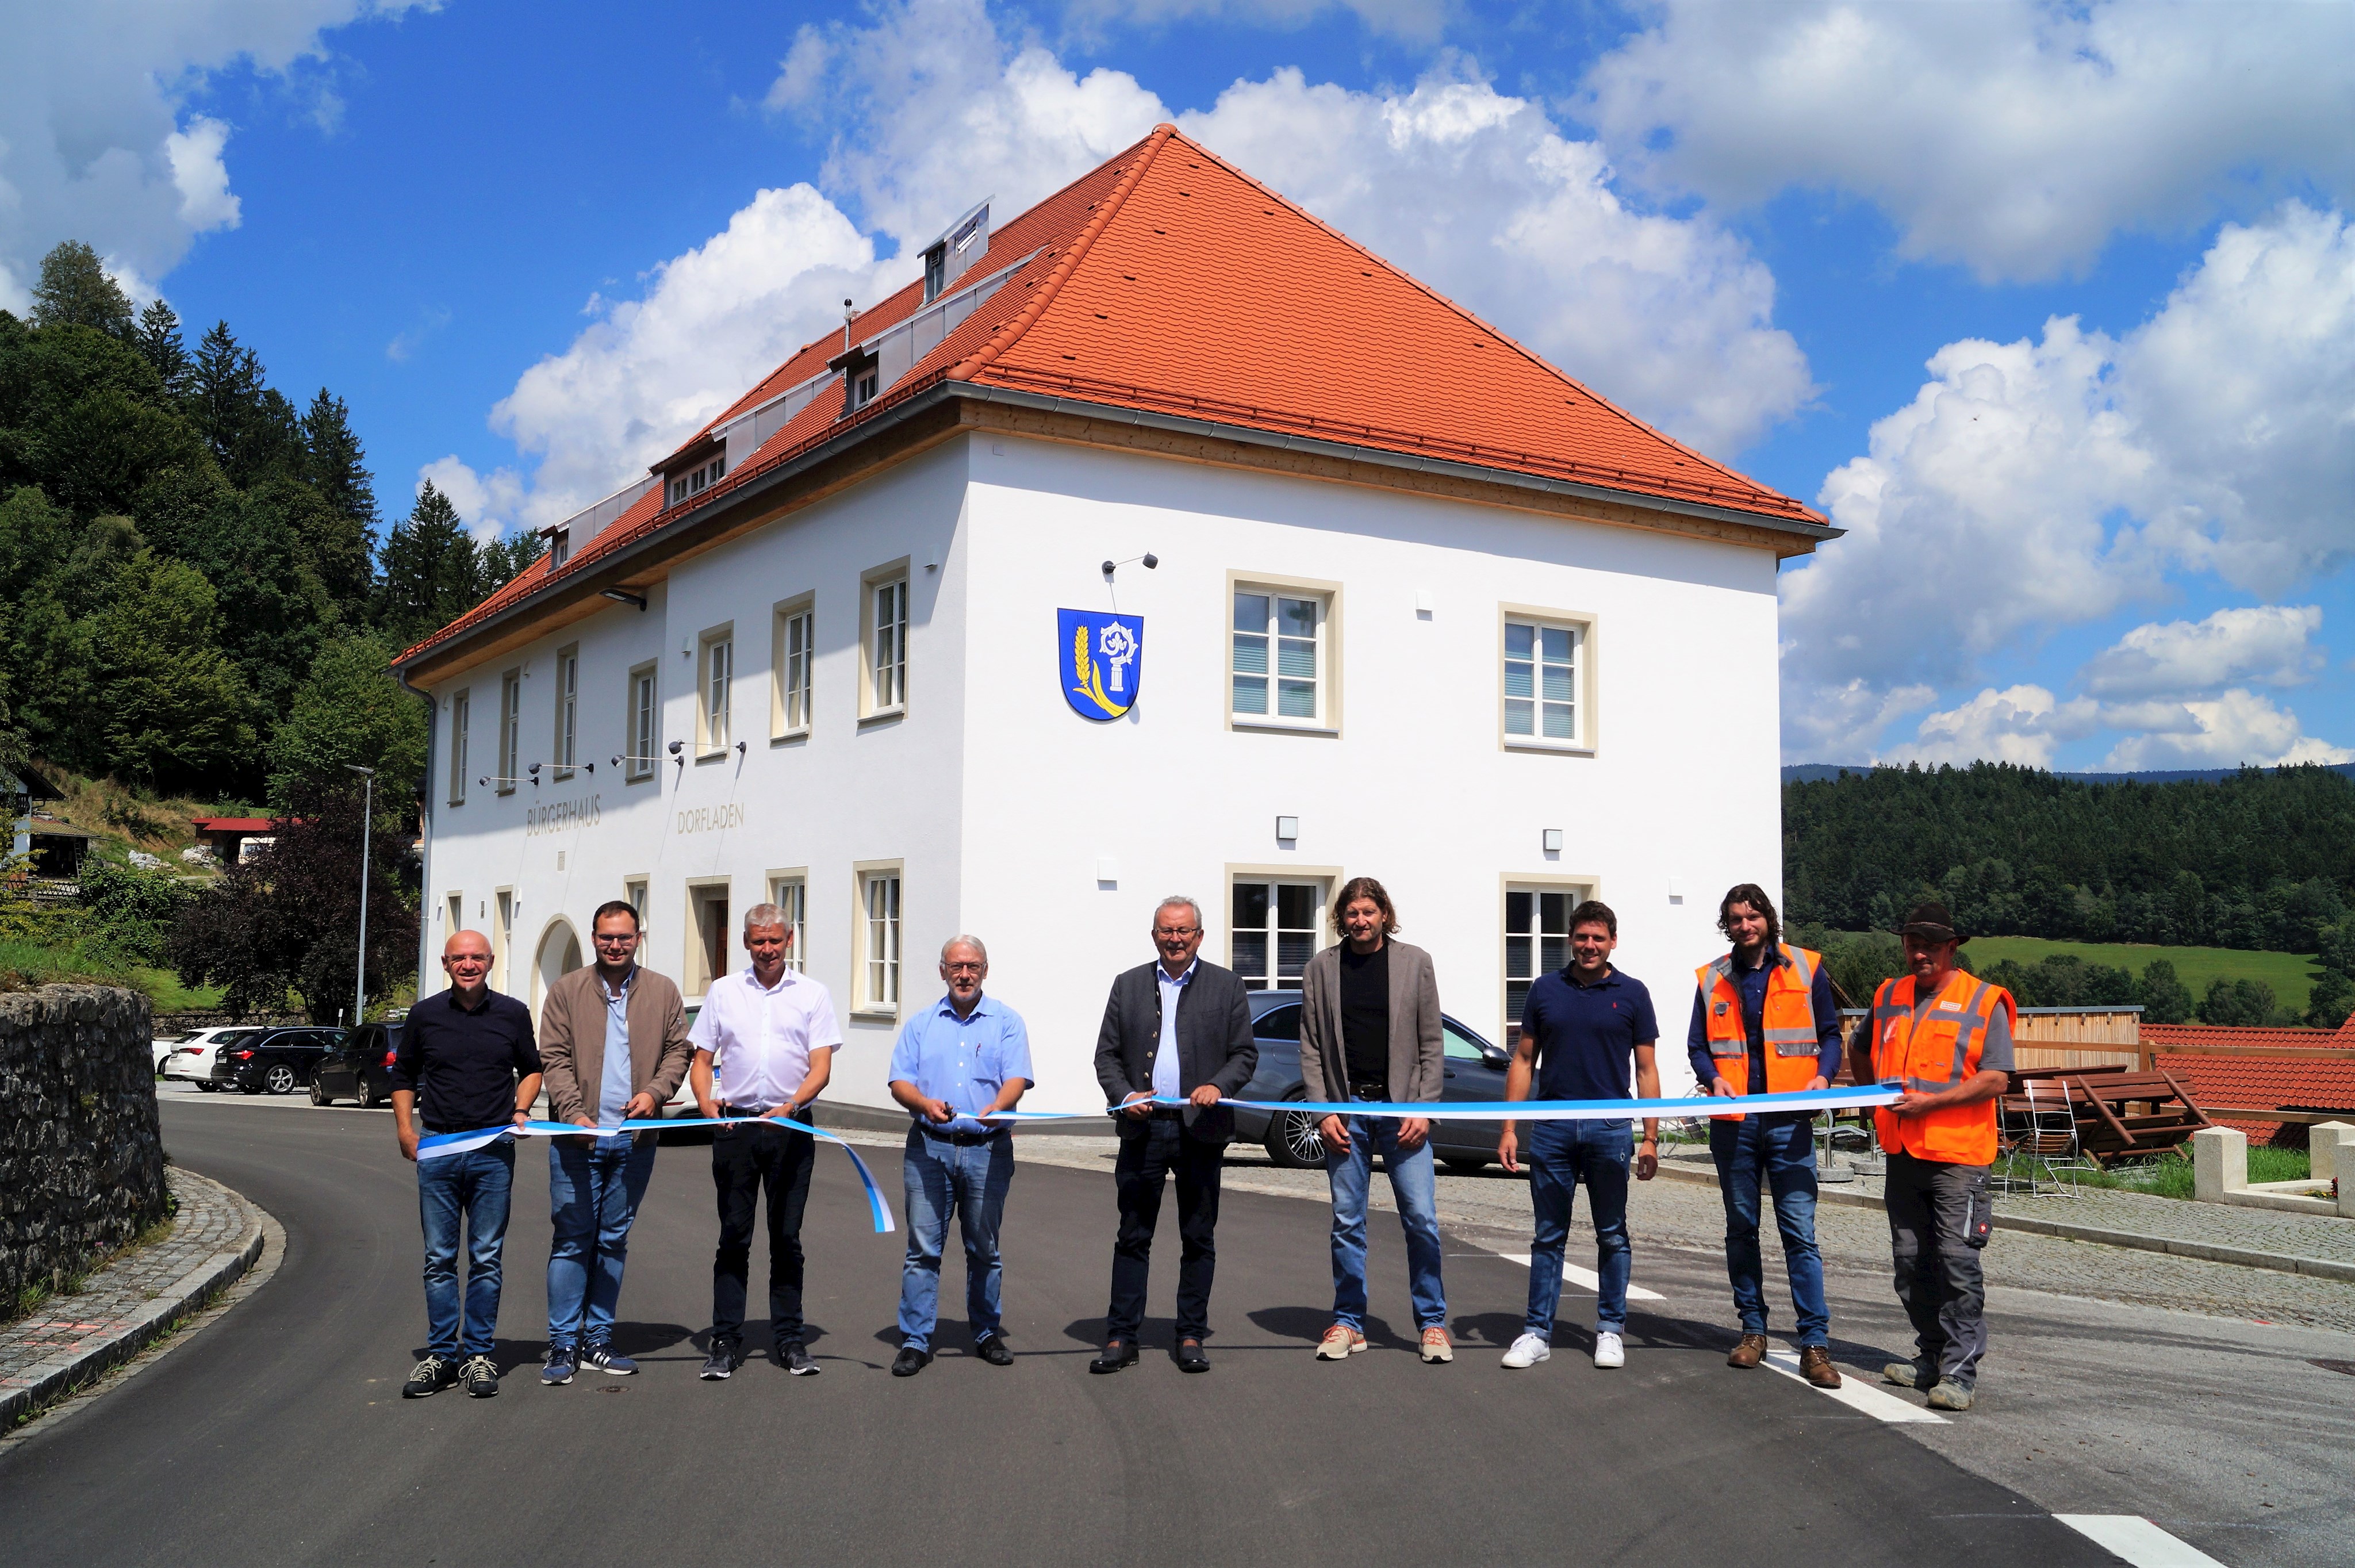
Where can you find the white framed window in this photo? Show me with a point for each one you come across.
(1546, 683)
(455, 913)
(696, 480)
(633, 893)
(645, 729)
(793, 660)
(1275, 924)
(1537, 939)
(789, 891)
(559, 548)
(461, 706)
(876, 961)
(883, 642)
(502, 928)
(567, 709)
(510, 729)
(1282, 654)
(715, 678)
(864, 384)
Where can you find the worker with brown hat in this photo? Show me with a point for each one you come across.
(1947, 1037)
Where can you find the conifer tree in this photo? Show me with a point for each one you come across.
(75, 290)
(432, 572)
(158, 339)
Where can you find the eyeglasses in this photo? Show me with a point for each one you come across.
(1178, 932)
(603, 937)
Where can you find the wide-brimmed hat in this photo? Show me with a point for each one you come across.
(1930, 919)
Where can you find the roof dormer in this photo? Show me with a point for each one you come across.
(947, 258)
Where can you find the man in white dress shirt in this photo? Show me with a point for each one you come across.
(771, 1034)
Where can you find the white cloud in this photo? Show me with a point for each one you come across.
(2046, 483)
(1475, 192)
(1845, 723)
(711, 323)
(2023, 724)
(2234, 728)
(488, 504)
(2013, 135)
(96, 140)
(1418, 21)
(2270, 645)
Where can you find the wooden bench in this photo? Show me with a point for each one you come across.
(2117, 1114)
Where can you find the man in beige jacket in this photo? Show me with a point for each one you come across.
(1370, 1030)
(614, 1043)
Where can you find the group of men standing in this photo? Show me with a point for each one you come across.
(1176, 1041)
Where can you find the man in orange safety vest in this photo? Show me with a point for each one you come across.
(1947, 1037)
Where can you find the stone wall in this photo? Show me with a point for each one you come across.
(82, 1153)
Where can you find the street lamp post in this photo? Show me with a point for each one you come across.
(367, 827)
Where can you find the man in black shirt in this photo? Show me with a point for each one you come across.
(1370, 1030)
(466, 1061)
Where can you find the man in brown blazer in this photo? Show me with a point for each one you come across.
(615, 1046)
(1370, 1030)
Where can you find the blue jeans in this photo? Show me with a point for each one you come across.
(592, 1196)
(1778, 1152)
(1560, 1155)
(971, 1178)
(1412, 1183)
(475, 1185)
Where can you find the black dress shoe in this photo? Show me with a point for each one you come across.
(1191, 1356)
(908, 1361)
(993, 1350)
(1116, 1354)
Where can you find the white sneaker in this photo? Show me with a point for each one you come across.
(1528, 1352)
(1608, 1350)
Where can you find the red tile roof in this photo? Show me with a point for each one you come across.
(1169, 282)
(2193, 1037)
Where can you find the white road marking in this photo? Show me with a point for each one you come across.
(2136, 1540)
(1587, 1278)
(1859, 1395)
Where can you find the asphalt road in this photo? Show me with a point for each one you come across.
(278, 1435)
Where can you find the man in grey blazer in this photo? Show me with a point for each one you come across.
(1180, 1028)
(1370, 1030)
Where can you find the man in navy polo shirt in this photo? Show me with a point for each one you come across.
(1579, 1027)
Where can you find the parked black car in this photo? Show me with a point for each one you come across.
(360, 1069)
(1475, 1070)
(274, 1061)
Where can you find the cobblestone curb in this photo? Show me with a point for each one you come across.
(132, 1302)
(2245, 1257)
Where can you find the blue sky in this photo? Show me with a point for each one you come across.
(2052, 307)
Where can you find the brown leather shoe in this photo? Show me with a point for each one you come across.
(1749, 1353)
(1816, 1366)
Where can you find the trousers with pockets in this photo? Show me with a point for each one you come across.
(1932, 1208)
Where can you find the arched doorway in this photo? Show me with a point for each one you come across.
(560, 955)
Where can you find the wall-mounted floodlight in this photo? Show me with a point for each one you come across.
(1151, 561)
(676, 747)
(1553, 841)
(532, 772)
(623, 596)
(1287, 827)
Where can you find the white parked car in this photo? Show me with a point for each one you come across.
(191, 1060)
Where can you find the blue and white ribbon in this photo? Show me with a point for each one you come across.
(433, 1145)
(1857, 1099)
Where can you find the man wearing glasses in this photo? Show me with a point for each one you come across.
(966, 1057)
(1178, 1029)
(613, 1037)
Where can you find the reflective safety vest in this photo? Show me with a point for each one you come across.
(1792, 1042)
(1942, 1048)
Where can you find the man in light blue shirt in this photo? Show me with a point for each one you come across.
(961, 1059)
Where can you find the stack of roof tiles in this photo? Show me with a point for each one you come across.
(1166, 280)
(2295, 1075)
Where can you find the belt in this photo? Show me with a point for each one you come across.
(729, 1110)
(963, 1140)
(1369, 1091)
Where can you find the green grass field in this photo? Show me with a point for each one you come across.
(2289, 973)
(35, 963)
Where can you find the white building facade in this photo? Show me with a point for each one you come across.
(841, 687)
